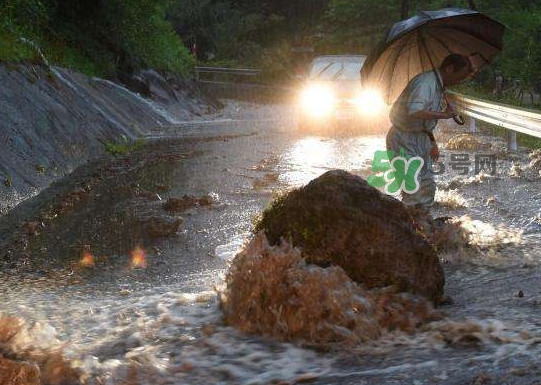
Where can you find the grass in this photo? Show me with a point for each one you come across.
(527, 141)
(123, 148)
(68, 57)
(13, 50)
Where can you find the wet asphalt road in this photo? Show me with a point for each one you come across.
(241, 164)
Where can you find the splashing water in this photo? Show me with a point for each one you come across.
(271, 291)
(174, 333)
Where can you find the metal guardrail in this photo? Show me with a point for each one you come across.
(514, 119)
(242, 84)
(228, 71)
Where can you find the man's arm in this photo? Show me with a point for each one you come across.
(433, 115)
(420, 98)
(421, 94)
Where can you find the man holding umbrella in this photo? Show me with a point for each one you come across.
(419, 58)
(414, 116)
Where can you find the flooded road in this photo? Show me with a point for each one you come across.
(124, 321)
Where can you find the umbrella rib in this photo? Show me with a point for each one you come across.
(399, 52)
(432, 65)
(386, 64)
(382, 72)
(435, 37)
(419, 37)
(469, 33)
(443, 44)
(409, 65)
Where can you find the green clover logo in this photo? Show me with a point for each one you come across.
(395, 173)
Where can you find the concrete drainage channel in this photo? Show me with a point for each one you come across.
(210, 128)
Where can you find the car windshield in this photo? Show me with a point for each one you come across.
(336, 69)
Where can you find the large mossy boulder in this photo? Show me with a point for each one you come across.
(338, 219)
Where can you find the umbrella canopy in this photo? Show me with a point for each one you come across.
(420, 43)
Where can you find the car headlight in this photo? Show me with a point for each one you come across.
(370, 102)
(318, 100)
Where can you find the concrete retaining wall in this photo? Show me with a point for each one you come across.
(53, 120)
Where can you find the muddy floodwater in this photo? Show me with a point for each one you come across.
(132, 309)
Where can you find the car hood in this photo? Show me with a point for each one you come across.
(343, 89)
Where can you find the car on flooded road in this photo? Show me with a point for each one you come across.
(331, 98)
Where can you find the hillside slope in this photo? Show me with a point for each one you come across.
(53, 120)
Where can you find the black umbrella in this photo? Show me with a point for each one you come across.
(421, 42)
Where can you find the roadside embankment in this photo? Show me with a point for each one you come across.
(54, 120)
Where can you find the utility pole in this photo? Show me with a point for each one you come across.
(404, 9)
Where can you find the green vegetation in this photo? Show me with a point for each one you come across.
(100, 38)
(260, 221)
(528, 141)
(522, 139)
(115, 37)
(11, 49)
(124, 148)
(261, 33)
(40, 169)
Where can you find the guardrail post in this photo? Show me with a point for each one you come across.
(472, 125)
(512, 140)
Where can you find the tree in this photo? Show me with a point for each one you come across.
(472, 5)
(404, 10)
(105, 37)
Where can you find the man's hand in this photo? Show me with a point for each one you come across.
(434, 153)
(449, 112)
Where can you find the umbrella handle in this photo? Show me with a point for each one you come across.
(459, 119)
